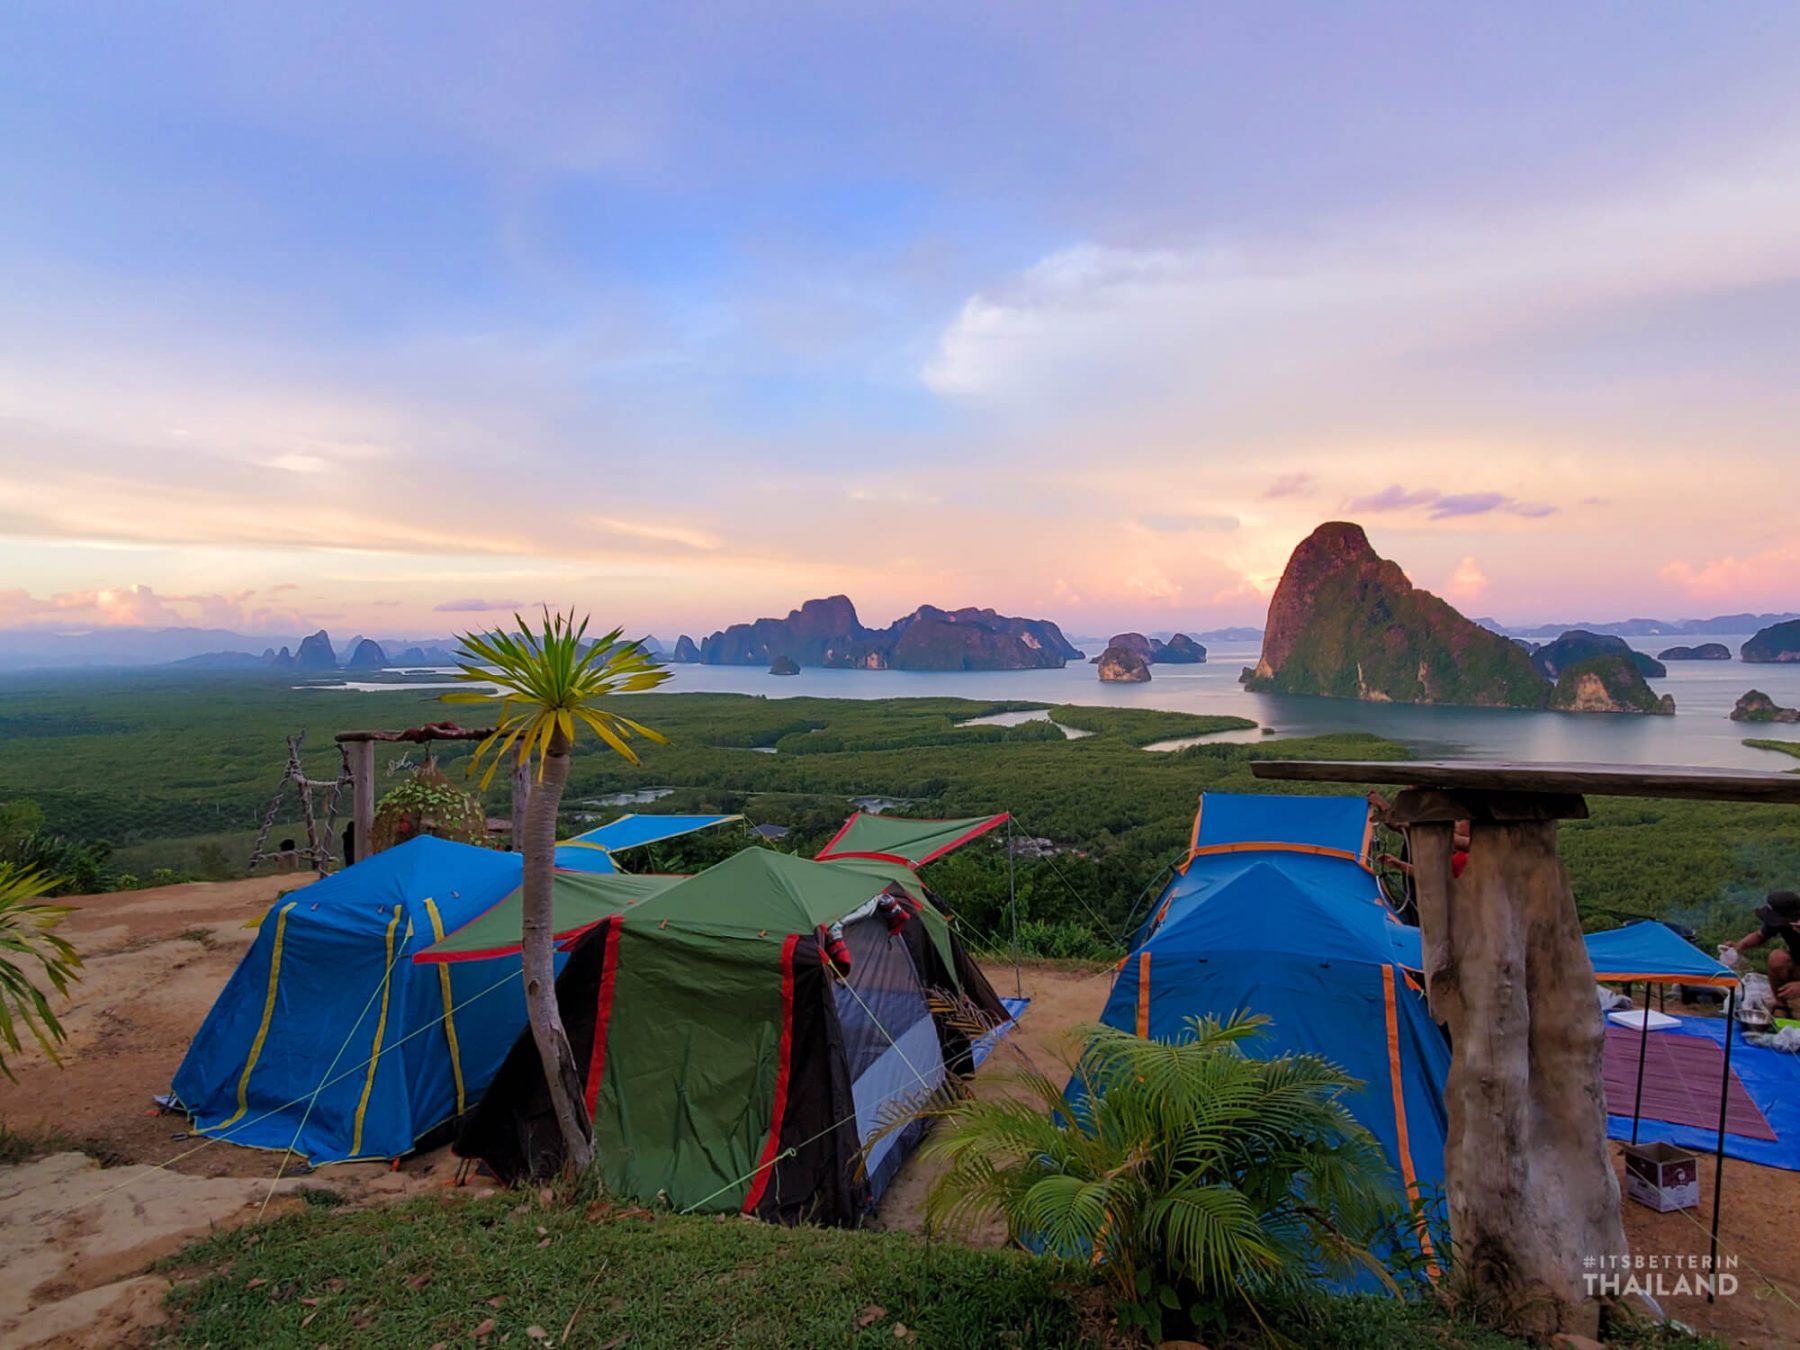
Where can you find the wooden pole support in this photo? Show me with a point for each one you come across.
(1528, 1173)
(362, 797)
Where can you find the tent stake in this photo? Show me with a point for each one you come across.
(1012, 896)
(1637, 1102)
(1712, 1259)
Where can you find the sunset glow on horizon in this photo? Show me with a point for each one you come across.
(394, 320)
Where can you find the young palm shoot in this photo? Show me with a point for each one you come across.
(550, 685)
(31, 955)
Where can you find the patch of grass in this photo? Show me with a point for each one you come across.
(439, 1269)
(1779, 747)
(20, 1146)
(320, 1197)
(445, 1268)
(204, 936)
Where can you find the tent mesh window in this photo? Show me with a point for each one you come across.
(890, 1044)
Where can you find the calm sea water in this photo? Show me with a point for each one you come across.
(1700, 733)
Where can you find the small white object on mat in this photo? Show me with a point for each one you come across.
(1632, 1019)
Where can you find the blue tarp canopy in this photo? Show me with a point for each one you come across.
(1227, 818)
(328, 1040)
(1652, 951)
(591, 851)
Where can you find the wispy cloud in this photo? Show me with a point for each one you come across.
(1289, 485)
(1189, 524)
(1395, 498)
(660, 532)
(1441, 506)
(474, 606)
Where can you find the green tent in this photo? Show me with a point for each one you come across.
(579, 900)
(744, 1036)
(903, 839)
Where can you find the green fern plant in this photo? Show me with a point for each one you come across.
(1197, 1179)
(31, 955)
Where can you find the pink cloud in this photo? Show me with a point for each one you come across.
(1766, 577)
(138, 606)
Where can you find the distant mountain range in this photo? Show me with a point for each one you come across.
(223, 649)
(1721, 623)
(209, 649)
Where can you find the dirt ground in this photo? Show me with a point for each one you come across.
(76, 1240)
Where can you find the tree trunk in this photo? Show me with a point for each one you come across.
(1528, 1176)
(539, 937)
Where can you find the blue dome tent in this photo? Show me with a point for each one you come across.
(1274, 911)
(329, 1040)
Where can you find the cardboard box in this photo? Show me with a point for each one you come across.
(1662, 1176)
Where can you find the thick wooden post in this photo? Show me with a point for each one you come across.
(1528, 1173)
(362, 797)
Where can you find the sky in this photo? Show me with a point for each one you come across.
(394, 317)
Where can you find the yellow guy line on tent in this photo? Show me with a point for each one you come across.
(268, 1012)
(387, 980)
(313, 1101)
(437, 935)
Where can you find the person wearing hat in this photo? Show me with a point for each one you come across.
(1780, 916)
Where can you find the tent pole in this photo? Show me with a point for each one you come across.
(1712, 1259)
(1637, 1102)
(1012, 897)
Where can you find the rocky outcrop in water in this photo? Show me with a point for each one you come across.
(367, 656)
(828, 633)
(1182, 650)
(1610, 683)
(784, 665)
(685, 653)
(1123, 665)
(1706, 651)
(1777, 642)
(1146, 648)
(1578, 646)
(1757, 706)
(1346, 623)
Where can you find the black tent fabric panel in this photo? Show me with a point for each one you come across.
(513, 1129)
(821, 1182)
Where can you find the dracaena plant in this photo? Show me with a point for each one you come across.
(547, 685)
(32, 957)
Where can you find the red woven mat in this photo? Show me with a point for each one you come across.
(1681, 1083)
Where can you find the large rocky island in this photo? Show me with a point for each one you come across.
(1777, 642)
(1706, 651)
(828, 633)
(1347, 623)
